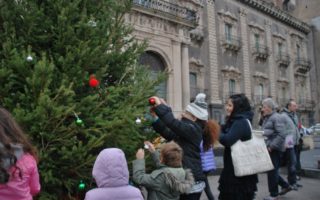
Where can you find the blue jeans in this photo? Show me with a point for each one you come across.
(292, 162)
(273, 175)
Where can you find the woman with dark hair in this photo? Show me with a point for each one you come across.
(18, 161)
(189, 131)
(237, 127)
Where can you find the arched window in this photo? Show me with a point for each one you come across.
(232, 87)
(156, 64)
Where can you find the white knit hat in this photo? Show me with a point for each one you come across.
(199, 107)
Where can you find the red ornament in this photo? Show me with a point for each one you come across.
(152, 101)
(93, 82)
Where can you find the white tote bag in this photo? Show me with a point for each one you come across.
(251, 156)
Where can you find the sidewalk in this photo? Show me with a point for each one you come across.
(309, 191)
(309, 163)
(310, 180)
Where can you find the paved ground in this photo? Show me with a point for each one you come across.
(309, 191)
(311, 183)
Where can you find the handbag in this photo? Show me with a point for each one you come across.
(251, 156)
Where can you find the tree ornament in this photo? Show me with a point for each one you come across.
(78, 120)
(29, 58)
(152, 101)
(138, 120)
(81, 185)
(93, 82)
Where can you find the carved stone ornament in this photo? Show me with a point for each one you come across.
(260, 77)
(231, 72)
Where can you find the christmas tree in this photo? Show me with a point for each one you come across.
(69, 74)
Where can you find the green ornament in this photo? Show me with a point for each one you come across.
(79, 121)
(81, 185)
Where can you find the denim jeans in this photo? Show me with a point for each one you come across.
(273, 175)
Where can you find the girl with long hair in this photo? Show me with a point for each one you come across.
(18, 161)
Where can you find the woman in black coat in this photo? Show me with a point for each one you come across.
(188, 132)
(238, 111)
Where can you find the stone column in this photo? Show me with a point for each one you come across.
(177, 87)
(271, 61)
(245, 50)
(213, 54)
(185, 75)
(290, 69)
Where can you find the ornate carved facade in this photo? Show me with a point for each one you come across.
(226, 47)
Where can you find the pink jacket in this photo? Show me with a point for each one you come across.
(22, 188)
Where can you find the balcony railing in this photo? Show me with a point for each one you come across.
(260, 52)
(232, 43)
(168, 8)
(305, 104)
(302, 65)
(283, 59)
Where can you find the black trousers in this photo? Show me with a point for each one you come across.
(193, 196)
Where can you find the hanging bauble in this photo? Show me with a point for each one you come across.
(138, 120)
(29, 58)
(152, 101)
(93, 82)
(81, 185)
(79, 121)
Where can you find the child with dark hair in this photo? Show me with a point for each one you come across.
(169, 180)
(19, 177)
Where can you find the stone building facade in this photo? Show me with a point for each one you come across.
(225, 47)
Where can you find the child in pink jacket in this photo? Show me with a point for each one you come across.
(19, 177)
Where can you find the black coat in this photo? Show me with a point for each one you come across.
(186, 133)
(237, 127)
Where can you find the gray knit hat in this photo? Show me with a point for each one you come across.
(199, 107)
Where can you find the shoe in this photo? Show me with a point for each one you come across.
(294, 187)
(299, 185)
(271, 198)
(285, 190)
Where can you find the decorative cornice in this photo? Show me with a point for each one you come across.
(196, 62)
(231, 69)
(283, 80)
(255, 25)
(278, 35)
(228, 14)
(260, 75)
(279, 14)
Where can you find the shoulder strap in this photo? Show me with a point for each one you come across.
(250, 125)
